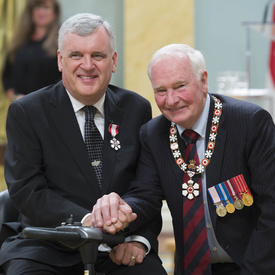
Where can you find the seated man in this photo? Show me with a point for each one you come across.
(69, 144)
(212, 158)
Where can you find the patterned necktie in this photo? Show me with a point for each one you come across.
(196, 250)
(93, 141)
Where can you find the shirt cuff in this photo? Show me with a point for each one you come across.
(86, 216)
(133, 238)
(137, 238)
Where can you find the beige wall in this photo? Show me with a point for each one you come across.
(9, 11)
(150, 25)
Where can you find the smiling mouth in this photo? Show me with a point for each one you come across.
(175, 110)
(87, 77)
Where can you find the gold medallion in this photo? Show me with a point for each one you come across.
(230, 208)
(221, 211)
(238, 204)
(247, 199)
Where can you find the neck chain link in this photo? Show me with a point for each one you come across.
(210, 146)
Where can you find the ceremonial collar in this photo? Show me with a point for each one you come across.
(210, 146)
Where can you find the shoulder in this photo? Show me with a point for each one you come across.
(39, 99)
(249, 117)
(235, 103)
(237, 108)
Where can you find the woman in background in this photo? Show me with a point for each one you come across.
(31, 61)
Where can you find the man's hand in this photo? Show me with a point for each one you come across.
(128, 253)
(111, 214)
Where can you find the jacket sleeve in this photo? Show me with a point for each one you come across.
(24, 173)
(260, 152)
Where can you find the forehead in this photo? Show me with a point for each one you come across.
(171, 68)
(98, 40)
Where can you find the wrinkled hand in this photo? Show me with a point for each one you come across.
(111, 214)
(128, 253)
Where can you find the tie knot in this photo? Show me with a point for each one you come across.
(90, 111)
(190, 136)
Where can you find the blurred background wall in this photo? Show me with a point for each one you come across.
(9, 11)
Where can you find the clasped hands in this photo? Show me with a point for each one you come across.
(111, 214)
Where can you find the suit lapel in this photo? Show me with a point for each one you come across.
(68, 128)
(113, 115)
(212, 176)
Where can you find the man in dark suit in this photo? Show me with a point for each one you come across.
(236, 150)
(48, 170)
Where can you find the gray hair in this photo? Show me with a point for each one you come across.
(84, 24)
(196, 57)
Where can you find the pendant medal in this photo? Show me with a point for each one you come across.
(221, 210)
(238, 204)
(191, 188)
(247, 199)
(113, 130)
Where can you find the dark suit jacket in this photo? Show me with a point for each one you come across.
(245, 145)
(48, 171)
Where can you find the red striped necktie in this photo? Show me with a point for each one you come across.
(196, 250)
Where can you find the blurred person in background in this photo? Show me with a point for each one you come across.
(31, 61)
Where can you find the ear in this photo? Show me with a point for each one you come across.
(59, 61)
(114, 58)
(204, 81)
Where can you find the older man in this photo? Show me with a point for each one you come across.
(212, 158)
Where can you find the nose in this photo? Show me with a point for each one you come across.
(88, 63)
(171, 97)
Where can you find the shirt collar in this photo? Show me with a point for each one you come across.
(200, 126)
(77, 105)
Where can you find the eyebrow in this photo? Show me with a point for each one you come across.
(74, 52)
(179, 81)
(175, 83)
(157, 87)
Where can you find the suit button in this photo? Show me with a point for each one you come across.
(214, 248)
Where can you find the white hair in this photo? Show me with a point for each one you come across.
(196, 57)
(84, 24)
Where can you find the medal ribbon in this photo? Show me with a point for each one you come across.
(244, 185)
(233, 189)
(113, 129)
(241, 185)
(214, 195)
(220, 193)
(230, 191)
(227, 194)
